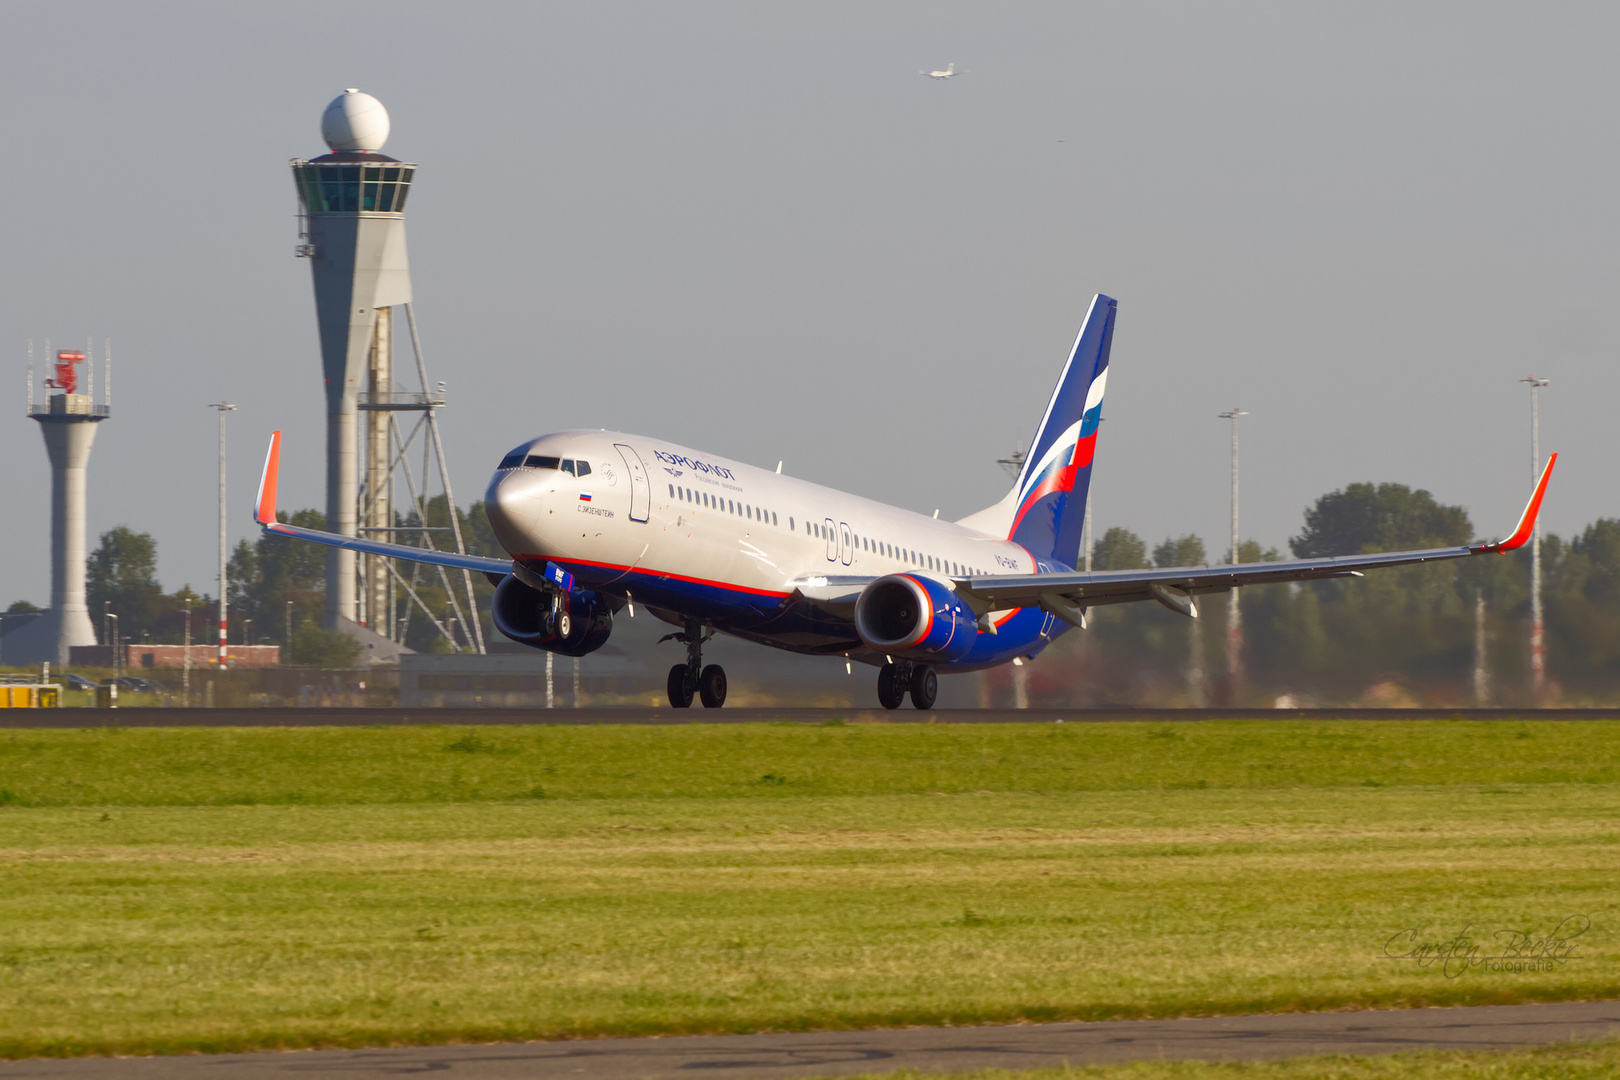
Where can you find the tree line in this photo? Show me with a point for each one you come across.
(1406, 634)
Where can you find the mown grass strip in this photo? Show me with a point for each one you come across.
(329, 766)
(173, 928)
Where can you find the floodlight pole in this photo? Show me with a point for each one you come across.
(1234, 613)
(185, 671)
(223, 407)
(1538, 649)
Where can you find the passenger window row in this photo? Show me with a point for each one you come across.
(890, 551)
(729, 506)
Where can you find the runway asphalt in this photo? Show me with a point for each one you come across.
(767, 1057)
(393, 715)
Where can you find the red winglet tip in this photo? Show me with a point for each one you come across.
(264, 507)
(1528, 521)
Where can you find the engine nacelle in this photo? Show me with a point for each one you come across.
(579, 625)
(914, 617)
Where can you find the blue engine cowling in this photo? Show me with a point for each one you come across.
(915, 617)
(527, 616)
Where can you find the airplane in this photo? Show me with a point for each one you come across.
(593, 521)
(949, 72)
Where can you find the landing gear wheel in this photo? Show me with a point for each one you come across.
(891, 688)
(924, 686)
(680, 687)
(712, 686)
(565, 626)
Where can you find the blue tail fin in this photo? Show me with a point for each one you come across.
(1049, 499)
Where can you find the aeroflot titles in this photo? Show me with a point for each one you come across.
(695, 466)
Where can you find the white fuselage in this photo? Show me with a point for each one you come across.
(697, 517)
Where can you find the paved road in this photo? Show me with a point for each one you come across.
(768, 1057)
(345, 717)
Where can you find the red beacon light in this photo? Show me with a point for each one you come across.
(67, 372)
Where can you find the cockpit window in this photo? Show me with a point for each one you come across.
(582, 468)
(568, 466)
(512, 460)
(539, 461)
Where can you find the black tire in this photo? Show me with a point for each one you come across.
(680, 687)
(924, 686)
(891, 691)
(712, 686)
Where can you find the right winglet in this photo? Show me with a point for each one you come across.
(264, 507)
(1528, 521)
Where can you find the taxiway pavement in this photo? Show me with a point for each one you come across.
(339, 716)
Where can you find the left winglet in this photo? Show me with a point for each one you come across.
(1528, 521)
(264, 507)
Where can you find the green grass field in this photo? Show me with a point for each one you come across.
(209, 889)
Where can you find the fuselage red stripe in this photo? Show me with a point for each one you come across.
(662, 574)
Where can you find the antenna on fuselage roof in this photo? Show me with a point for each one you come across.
(778, 468)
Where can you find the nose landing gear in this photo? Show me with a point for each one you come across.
(692, 678)
(894, 680)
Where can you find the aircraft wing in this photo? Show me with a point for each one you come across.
(264, 513)
(1067, 595)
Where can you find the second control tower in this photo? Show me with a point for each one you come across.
(353, 200)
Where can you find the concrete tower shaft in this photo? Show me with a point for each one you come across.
(353, 203)
(68, 422)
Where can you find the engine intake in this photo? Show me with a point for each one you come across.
(579, 625)
(914, 617)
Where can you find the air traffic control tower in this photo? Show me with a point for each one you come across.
(353, 200)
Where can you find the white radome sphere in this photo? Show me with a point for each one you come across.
(355, 122)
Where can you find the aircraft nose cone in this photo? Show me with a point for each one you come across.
(514, 506)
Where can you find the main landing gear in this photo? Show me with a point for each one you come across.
(685, 680)
(895, 679)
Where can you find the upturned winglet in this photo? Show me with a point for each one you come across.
(264, 507)
(1528, 521)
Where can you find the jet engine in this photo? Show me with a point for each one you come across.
(915, 617)
(572, 623)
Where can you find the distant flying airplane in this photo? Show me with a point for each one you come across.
(949, 72)
(715, 545)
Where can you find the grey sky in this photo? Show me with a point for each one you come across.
(755, 229)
